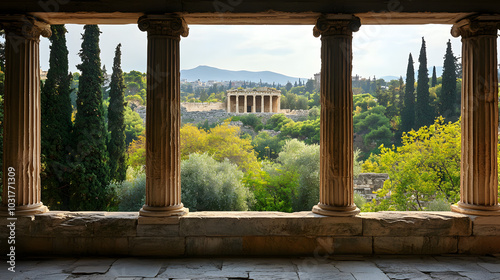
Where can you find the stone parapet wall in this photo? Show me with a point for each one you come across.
(253, 234)
(203, 107)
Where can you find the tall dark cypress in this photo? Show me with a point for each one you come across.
(434, 77)
(56, 124)
(116, 122)
(424, 113)
(408, 109)
(448, 107)
(90, 189)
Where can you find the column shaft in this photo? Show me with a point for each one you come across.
(163, 180)
(22, 116)
(253, 104)
(262, 104)
(245, 103)
(228, 105)
(270, 103)
(237, 104)
(336, 140)
(478, 178)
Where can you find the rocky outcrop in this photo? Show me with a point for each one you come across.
(368, 183)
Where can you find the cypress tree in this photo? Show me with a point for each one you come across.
(116, 122)
(91, 176)
(434, 77)
(56, 124)
(448, 107)
(424, 113)
(408, 109)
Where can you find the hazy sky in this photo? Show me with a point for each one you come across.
(379, 50)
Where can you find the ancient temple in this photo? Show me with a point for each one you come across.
(260, 100)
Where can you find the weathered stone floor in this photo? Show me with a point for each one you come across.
(447, 267)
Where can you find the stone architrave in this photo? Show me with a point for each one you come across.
(22, 124)
(163, 116)
(336, 142)
(478, 178)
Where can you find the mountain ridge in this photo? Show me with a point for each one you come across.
(209, 73)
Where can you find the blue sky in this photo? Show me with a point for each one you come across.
(379, 50)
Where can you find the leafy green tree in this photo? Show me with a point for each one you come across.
(267, 146)
(131, 195)
(210, 185)
(251, 120)
(408, 109)
(309, 87)
(276, 122)
(288, 86)
(116, 122)
(434, 77)
(133, 125)
(424, 113)
(302, 159)
(56, 124)
(90, 183)
(448, 107)
(426, 167)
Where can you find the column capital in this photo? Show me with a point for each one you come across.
(168, 25)
(476, 26)
(331, 25)
(25, 26)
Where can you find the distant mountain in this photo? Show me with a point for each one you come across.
(207, 73)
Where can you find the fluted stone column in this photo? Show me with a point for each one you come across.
(245, 104)
(253, 104)
(270, 103)
(478, 178)
(262, 104)
(163, 116)
(237, 103)
(336, 140)
(228, 103)
(22, 120)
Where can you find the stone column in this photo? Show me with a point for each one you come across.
(253, 104)
(270, 103)
(478, 178)
(228, 99)
(237, 103)
(262, 104)
(336, 140)
(245, 104)
(22, 123)
(163, 116)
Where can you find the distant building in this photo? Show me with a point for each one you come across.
(260, 100)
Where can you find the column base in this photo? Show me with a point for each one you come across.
(335, 211)
(470, 209)
(151, 211)
(25, 210)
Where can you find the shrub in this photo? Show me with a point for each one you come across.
(132, 194)
(209, 185)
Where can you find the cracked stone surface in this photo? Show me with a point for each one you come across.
(441, 267)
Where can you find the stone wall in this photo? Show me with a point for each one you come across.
(253, 234)
(203, 107)
(368, 183)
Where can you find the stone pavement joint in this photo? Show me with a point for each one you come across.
(441, 267)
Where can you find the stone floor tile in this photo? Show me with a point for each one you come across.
(325, 276)
(90, 269)
(460, 263)
(255, 265)
(448, 275)
(491, 267)
(356, 266)
(91, 277)
(197, 273)
(480, 275)
(57, 276)
(269, 275)
(405, 275)
(94, 261)
(370, 276)
(314, 265)
(134, 267)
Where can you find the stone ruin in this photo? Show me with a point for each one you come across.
(368, 183)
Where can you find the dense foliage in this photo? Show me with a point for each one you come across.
(116, 122)
(56, 125)
(90, 190)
